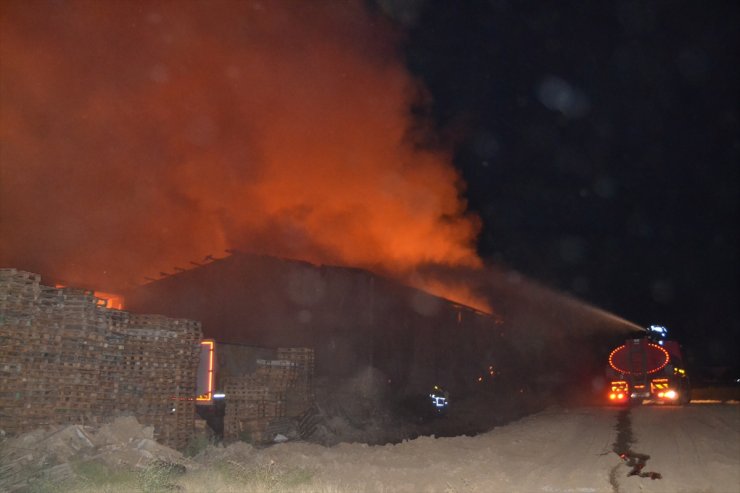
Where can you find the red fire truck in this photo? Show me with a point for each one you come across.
(648, 368)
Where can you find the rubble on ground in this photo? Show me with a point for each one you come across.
(48, 454)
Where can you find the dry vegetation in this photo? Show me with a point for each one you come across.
(226, 477)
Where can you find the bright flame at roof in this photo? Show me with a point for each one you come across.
(112, 300)
(140, 136)
(107, 300)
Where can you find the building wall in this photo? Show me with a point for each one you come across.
(351, 317)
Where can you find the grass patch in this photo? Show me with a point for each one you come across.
(197, 444)
(159, 477)
(96, 477)
(97, 473)
(267, 477)
(41, 486)
(222, 477)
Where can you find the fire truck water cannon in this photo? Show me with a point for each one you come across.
(648, 368)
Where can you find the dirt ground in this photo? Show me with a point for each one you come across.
(695, 448)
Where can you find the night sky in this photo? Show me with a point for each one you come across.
(600, 144)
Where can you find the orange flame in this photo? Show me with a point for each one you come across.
(106, 300)
(113, 301)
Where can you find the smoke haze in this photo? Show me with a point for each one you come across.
(138, 136)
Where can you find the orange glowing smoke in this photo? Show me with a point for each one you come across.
(137, 136)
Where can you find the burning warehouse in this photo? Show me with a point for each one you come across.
(375, 347)
(279, 323)
(353, 319)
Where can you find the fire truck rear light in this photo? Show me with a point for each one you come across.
(612, 396)
(620, 396)
(671, 394)
(661, 394)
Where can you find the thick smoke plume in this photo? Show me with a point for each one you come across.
(139, 136)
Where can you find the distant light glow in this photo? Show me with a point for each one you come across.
(658, 330)
(438, 401)
(209, 346)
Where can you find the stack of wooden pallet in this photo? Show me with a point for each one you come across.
(52, 342)
(245, 417)
(301, 396)
(20, 349)
(265, 396)
(74, 317)
(18, 293)
(64, 358)
(277, 374)
(158, 374)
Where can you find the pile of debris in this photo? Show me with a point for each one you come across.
(264, 404)
(66, 359)
(52, 455)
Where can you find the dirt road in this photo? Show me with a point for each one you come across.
(664, 449)
(692, 449)
(695, 448)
